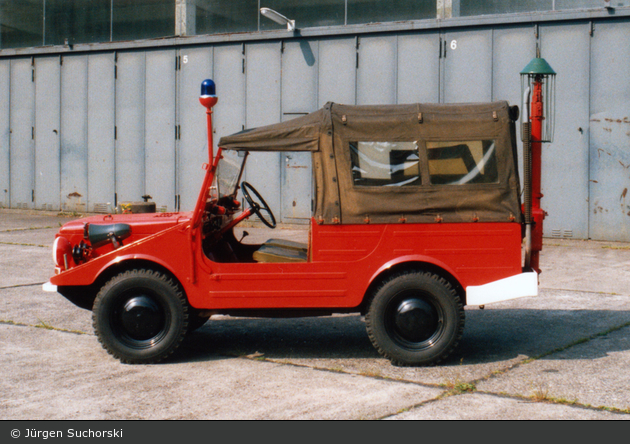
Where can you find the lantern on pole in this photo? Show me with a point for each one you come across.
(540, 78)
(538, 89)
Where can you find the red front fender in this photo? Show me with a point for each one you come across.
(170, 249)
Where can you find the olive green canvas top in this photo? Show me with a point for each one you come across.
(416, 163)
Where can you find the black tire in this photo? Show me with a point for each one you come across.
(140, 316)
(415, 319)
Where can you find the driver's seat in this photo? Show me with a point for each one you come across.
(281, 250)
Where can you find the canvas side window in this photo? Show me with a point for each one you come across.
(385, 163)
(462, 162)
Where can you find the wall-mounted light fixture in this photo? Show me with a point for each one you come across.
(278, 18)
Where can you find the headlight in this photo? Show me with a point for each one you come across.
(62, 252)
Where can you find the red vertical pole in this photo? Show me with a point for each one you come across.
(536, 117)
(210, 141)
(208, 99)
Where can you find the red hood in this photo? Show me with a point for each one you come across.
(70, 243)
(142, 225)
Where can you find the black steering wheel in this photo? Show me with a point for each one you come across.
(258, 208)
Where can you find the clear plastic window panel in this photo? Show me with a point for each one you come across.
(306, 14)
(21, 23)
(385, 163)
(228, 172)
(484, 7)
(220, 16)
(143, 19)
(78, 21)
(462, 162)
(377, 11)
(588, 4)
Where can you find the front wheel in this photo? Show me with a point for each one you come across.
(140, 316)
(415, 318)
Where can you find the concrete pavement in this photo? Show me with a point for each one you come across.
(562, 355)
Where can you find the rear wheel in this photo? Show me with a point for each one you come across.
(140, 316)
(415, 318)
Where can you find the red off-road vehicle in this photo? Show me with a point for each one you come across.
(416, 213)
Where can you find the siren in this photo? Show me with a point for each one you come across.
(208, 97)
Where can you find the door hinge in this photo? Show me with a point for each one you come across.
(591, 28)
(243, 61)
(357, 43)
(442, 48)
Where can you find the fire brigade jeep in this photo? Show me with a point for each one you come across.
(416, 213)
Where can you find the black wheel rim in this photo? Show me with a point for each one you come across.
(139, 319)
(414, 321)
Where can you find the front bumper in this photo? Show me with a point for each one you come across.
(49, 287)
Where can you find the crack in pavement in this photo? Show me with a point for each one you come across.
(44, 326)
(26, 229)
(22, 285)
